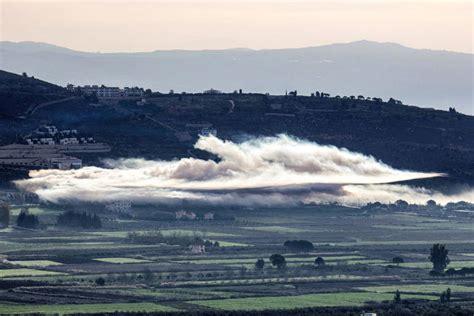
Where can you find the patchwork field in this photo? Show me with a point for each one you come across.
(58, 270)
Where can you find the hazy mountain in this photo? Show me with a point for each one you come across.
(428, 78)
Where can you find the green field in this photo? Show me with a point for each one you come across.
(36, 263)
(83, 308)
(122, 260)
(8, 273)
(277, 229)
(429, 265)
(33, 210)
(333, 260)
(302, 301)
(419, 288)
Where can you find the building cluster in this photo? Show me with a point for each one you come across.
(104, 92)
(50, 135)
(36, 157)
(49, 148)
(188, 215)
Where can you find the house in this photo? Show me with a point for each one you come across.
(65, 163)
(185, 215)
(68, 141)
(197, 249)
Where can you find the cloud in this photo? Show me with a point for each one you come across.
(259, 171)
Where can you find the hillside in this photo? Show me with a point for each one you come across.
(19, 93)
(405, 137)
(425, 78)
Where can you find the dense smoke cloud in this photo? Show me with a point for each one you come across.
(260, 171)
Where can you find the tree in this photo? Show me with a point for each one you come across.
(259, 264)
(100, 281)
(27, 220)
(397, 299)
(431, 203)
(439, 257)
(442, 297)
(448, 295)
(397, 260)
(4, 215)
(148, 276)
(278, 261)
(401, 204)
(82, 220)
(319, 261)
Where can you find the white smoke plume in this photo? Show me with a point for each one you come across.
(261, 171)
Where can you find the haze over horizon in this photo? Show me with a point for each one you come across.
(361, 41)
(99, 26)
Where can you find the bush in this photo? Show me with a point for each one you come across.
(4, 215)
(278, 261)
(100, 281)
(27, 220)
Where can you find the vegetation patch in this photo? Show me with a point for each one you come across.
(8, 273)
(36, 263)
(419, 288)
(302, 301)
(278, 229)
(122, 260)
(83, 308)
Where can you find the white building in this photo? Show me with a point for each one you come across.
(112, 92)
(47, 141)
(68, 141)
(65, 163)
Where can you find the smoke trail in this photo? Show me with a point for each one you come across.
(260, 171)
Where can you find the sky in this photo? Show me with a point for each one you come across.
(147, 25)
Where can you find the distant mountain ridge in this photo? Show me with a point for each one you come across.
(427, 78)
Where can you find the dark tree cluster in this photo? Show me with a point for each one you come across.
(439, 257)
(27, 220)
(299, 245)
(82, 220)
(278, 261)
(319, 262)
(4, 215)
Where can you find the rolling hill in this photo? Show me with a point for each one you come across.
(166, 127)
(426, 78)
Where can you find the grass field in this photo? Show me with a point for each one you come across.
(277, 229)
(33, 210)
(122, 260)
(83, 308)
(301, 301)
(36, 263)
(8, 273)
(429, 265)
(349, 259)
(419, 288)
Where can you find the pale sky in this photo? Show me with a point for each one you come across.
(116, 26)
